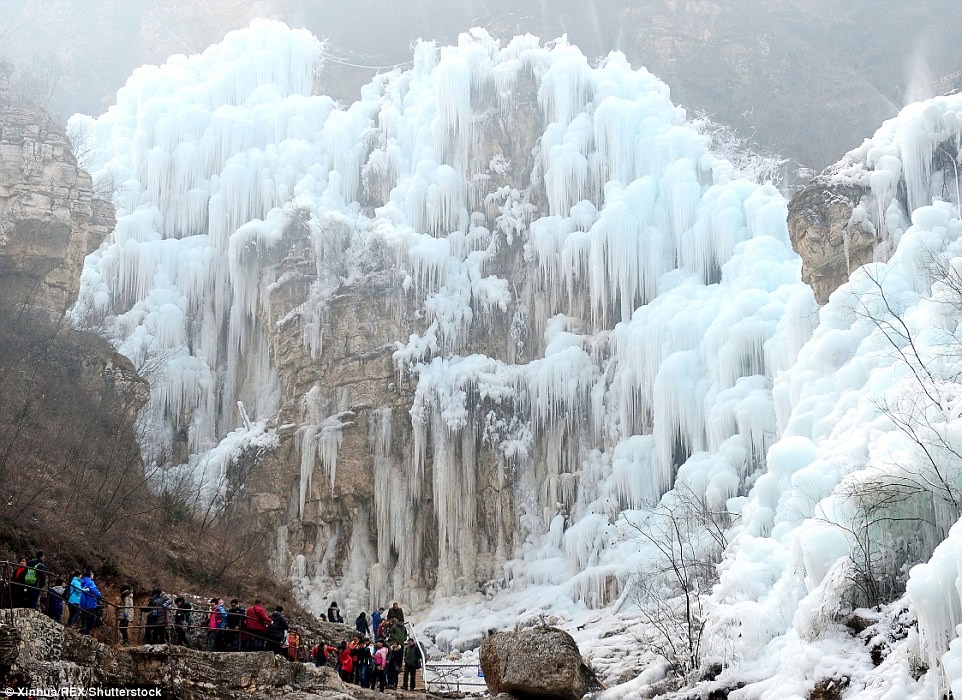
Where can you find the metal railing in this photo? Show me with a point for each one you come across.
(107, 616)
(439, 675)
(447, 676)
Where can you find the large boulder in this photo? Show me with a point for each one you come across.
(541, 662)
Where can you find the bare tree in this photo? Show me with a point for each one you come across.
(688, 538)
(37, 83)
(898, 510)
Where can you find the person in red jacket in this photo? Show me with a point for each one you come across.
(345, 663)
(256, 623)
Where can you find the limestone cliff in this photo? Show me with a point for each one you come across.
(70, 400)
(348, 394)
(859, 208)
(49, 219)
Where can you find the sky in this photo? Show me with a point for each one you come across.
(803, 78)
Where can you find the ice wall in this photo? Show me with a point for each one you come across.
(866, 464)
(638, 305)
(642, 298)
(199, 153)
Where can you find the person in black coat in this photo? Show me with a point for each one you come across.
(396, 613)
(235, 618)
(360, 624)
(277, 631)
(395, 662)
(333, 614)
(412, 662)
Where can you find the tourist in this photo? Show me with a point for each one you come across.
(125, 612)
(56, 597)
(182, 620)
(277, 631)
(380, 666)
(376, 618)
(396, 613)
(155, 630)
(35, 580)
(397, 632)
(395, 661)
(345, 663)
(235, 622)
(90, 602)
(324, 654)
(76, 592)
(412, 662)
(363, 662)
(216, 621)
(256, 624)
(361, 625)
(293, 644)
(333, 614)
(18, 589)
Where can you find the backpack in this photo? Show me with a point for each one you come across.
(30, 578)
(156, 604)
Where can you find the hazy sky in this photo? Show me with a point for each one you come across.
(805, 77)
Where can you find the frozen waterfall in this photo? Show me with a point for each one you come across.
(601, 314)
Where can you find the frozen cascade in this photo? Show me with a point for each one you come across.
(588, 326)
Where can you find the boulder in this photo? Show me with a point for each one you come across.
(541, 662)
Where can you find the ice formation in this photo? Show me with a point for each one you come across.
(655, 337)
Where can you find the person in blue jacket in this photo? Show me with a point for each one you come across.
(90, 602)
(75, 594)
(376, 618)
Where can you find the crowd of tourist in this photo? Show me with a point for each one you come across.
(81, 599)
(377, 654)
(374, 658)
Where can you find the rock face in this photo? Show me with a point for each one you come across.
(49, 218)
(52, 656)
(542, 662)
(824, 234)
(331, 516)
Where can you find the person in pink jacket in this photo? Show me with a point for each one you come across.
(380, 666)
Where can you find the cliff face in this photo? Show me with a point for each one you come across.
(49, 219)
(340, 490)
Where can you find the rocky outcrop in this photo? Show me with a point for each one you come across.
(825, 235)
(49, 218)
(541, 662)
(53, 656)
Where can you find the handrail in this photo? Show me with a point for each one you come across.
(7, 586)
(443, 670)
